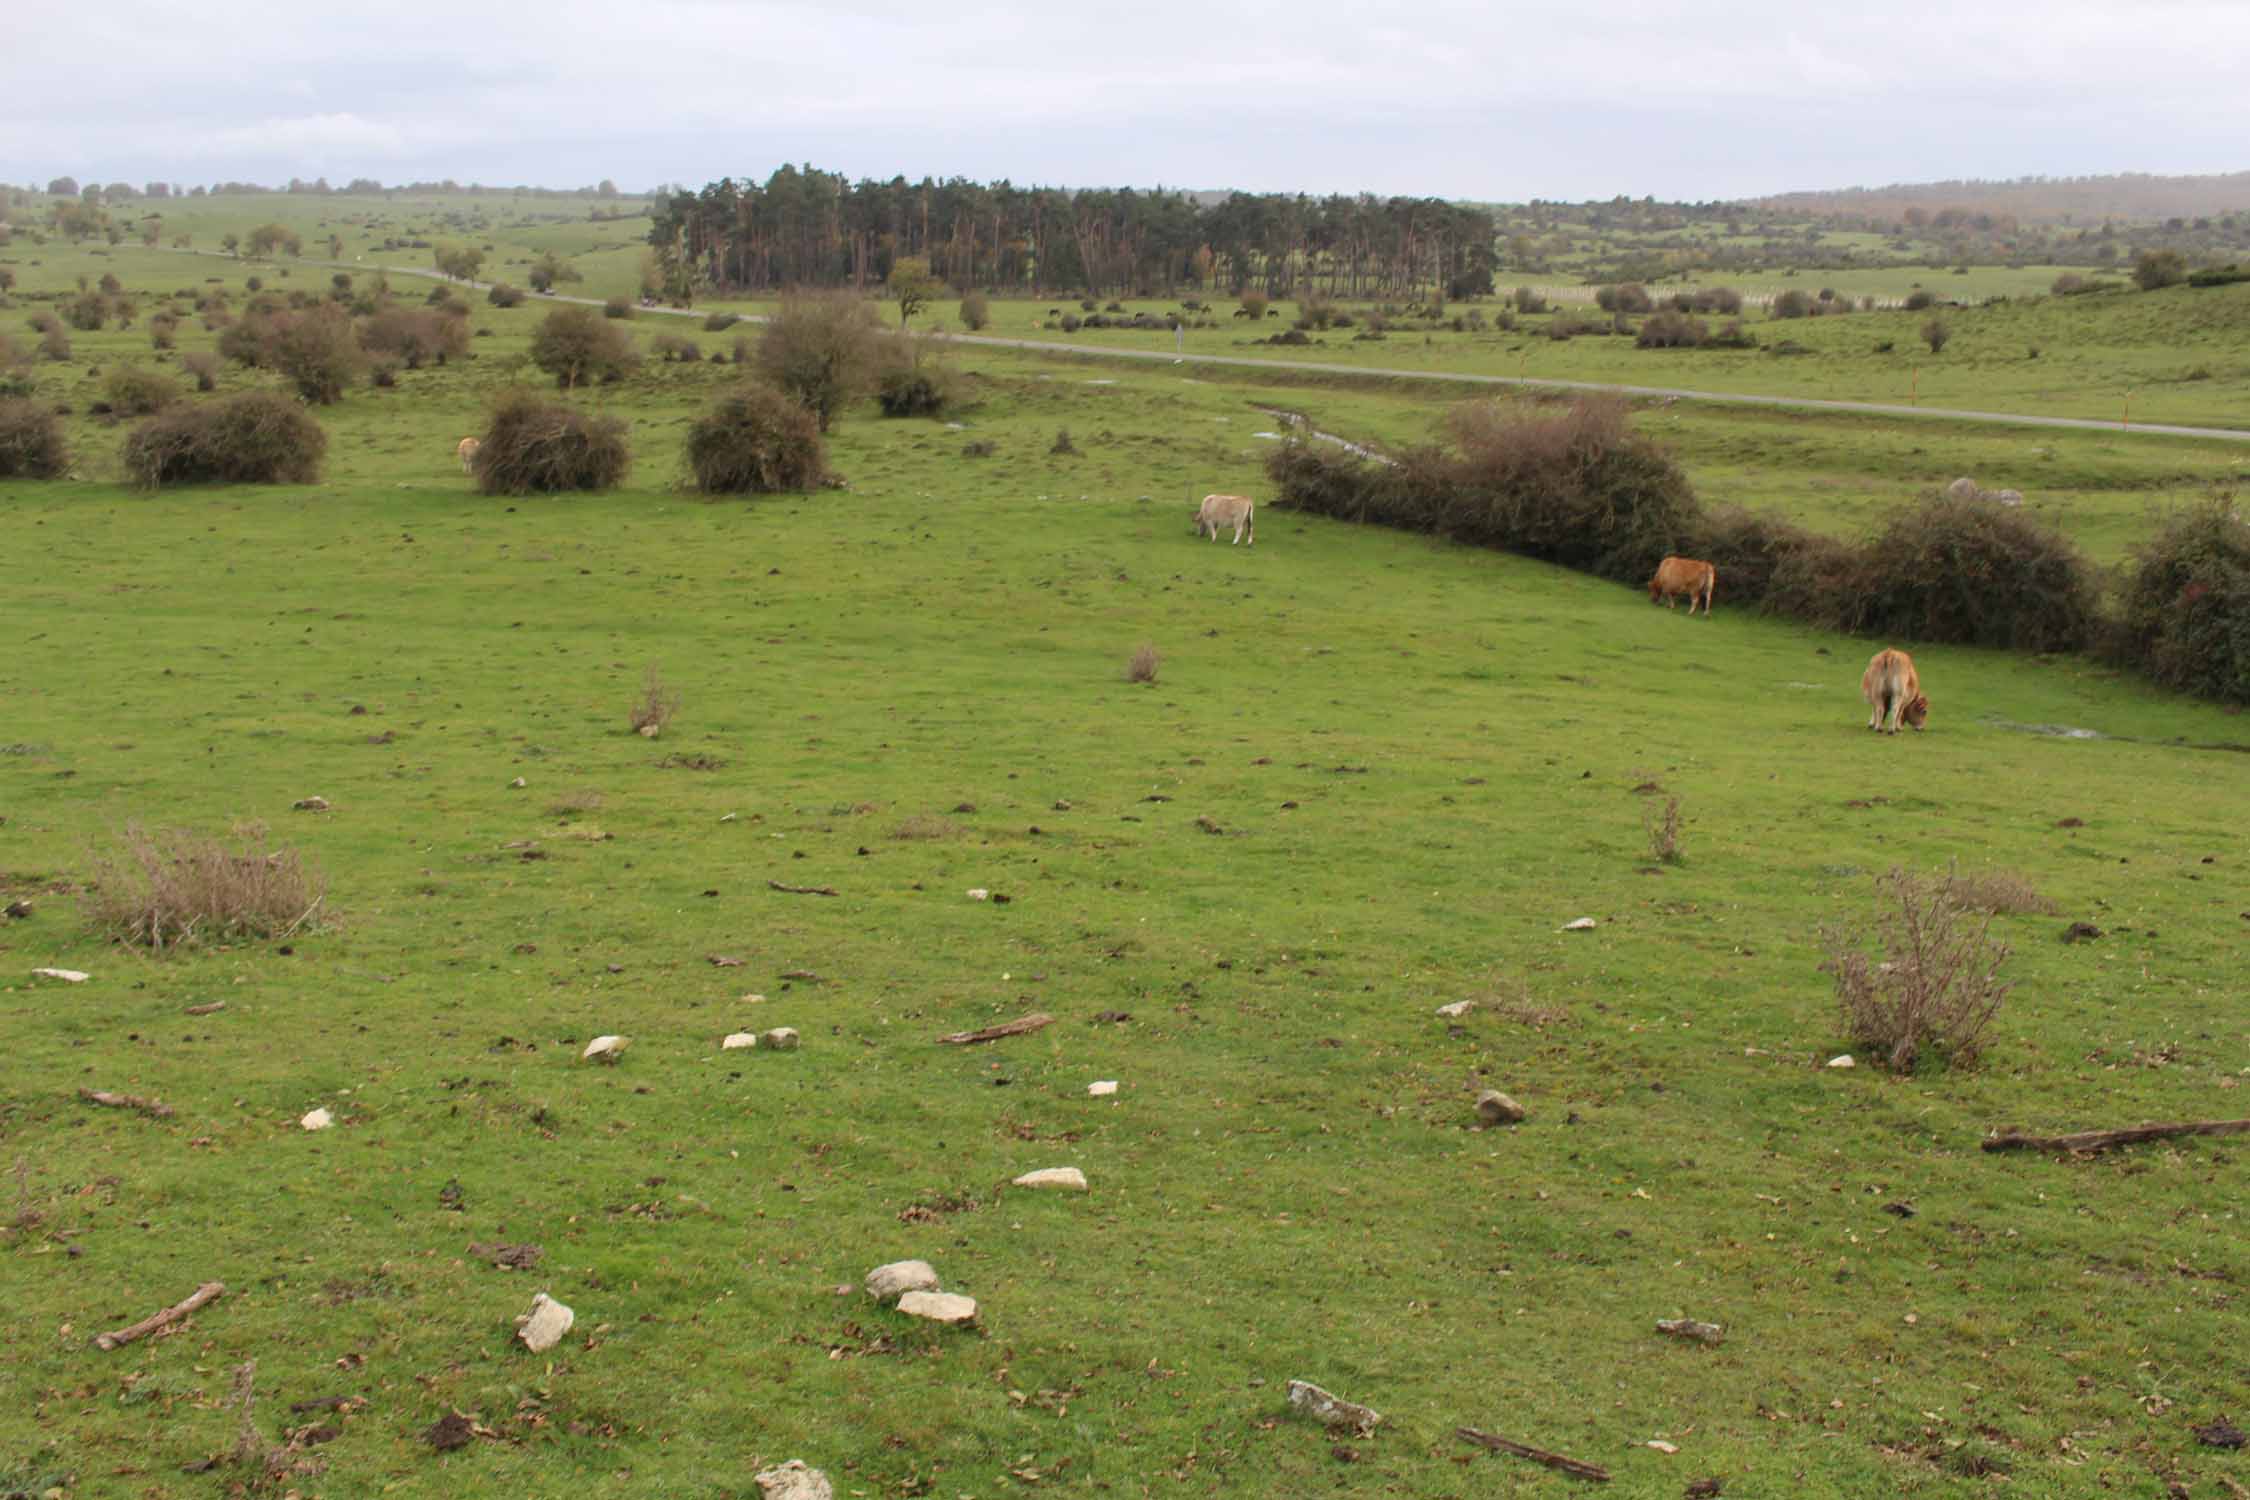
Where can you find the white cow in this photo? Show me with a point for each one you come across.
(1226, 510)
(467, 453)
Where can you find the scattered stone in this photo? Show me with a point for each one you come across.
(508, 1257)
(1689, 1328)
(1704, 1489)
(794, 1480)
(1581, 924)
(1496, 1108)
(891, 1282)
(544, 1326)
(948, 1308)
(17, 910)
(781, 1039)
(1102, 1088)
(67, 976)
(651, 731)
(1332, 1412)
(1902, 1209)
(604, 1049)
(979, 893)
(518, 784)
(318, 1119)
(738, 1039)
(309, 804)
(1663, 1447)
(451, 1197)
(1457, 1009)
(1069, 1178)
(1843, 1060)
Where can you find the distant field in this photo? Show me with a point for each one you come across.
(1375, 774)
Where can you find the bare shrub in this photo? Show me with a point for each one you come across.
(575, 804)
(577, 347)
(256, 437)
(415, 336)
(676, 348)
(1673, 330)
(1935, 334)
(755, 440)
(1142, 664)
(133, 391)
(317, 349)
(1792, 304)
(914, 381)
(1062, 442)
(1529, 301)
(204, 366)
(504, 295)
(1935, 990)
(31, 440)
(54, 344)
(720, 322)
(1254, 304)
(171, 888)
(1663, 831)
(545, 447)
(649, 713)
(163, 330)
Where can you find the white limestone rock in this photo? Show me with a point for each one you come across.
(1842, 1061)
(604, 1049)
(979, 893)
(949, 1308)
(1332, 1412)
(318, 1119)
(1496, 1108)
(544, 1326)
(736, 1039)
(1102, 1088)
(780, 1039)
(1582, 924)
(1068, 1179)
(1457, 1009)
(67, 976)
(891, 1282)
(794, 1480)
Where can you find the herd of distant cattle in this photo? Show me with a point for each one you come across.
(1891, 686)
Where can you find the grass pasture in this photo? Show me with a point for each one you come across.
(1374, 774)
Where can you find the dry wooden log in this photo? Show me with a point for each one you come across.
(213, 1008)
(1333, 1411)
(1536, 1455)
(1017, 1027)
(804, 890)
(1689, 1328)
(2102, 1140)
(161, 1320)
(148, 1107)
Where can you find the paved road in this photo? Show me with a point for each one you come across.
(1439, 377)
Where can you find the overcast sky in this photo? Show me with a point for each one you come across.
(1686, 99)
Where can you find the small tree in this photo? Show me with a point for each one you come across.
(1935, 333)
(551, 270)
(911, 286)
(231, 243)
(318, 349)
(578, 346)
(461, 262)
(819, 350)
(976, 313)
(2158, 268)
(267, 238)
(31, 440)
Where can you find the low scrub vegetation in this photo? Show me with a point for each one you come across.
(1919, 984)
(137, 391)
(2184, 608)
(653, 709)
(31, 440)
(755, 440)
(532, 446)
(256, 437)
(168, 889)
(577, 347)
(820, 350)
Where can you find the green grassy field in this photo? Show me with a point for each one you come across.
(1374, 775)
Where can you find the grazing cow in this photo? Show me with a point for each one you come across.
(1226, 510)
(1893, 689)
(466, 451)
(1683, 575)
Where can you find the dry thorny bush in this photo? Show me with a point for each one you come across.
(2001, 893)
(655, 707)
(1142, 665)
(1936, 989)
(169, 888)
(1664, 831)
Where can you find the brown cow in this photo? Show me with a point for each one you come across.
(1683, 575)
(1893, 689)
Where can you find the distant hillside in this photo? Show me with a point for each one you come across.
(2033, 200)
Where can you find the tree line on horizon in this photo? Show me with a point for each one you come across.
(803, 227)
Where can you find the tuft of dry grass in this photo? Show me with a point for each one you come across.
(575, 803)
(1936, 989)
(1663, 831)
(1142, 665)
(171, 888)
(2001, 893)
(655, 707)
(926, 826)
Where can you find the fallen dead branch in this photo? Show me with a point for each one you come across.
(211, 1009)
(1536, 1455)
(2102, 1140)
(1017, 1027)
(804, 890)
(154, 1322)
(109, 1100)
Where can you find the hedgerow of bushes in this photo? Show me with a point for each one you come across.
(1572, 484)
(2184, 612)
